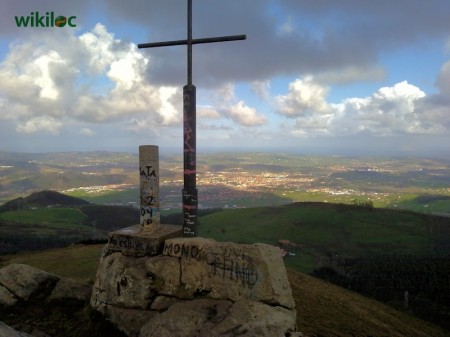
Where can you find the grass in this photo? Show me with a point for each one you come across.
(108, 196)
(318, 229)
(59, 217)
(326, 310)
(323, 309)
(324, 229)
(79, 262)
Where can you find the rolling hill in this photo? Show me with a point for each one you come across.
(320, 232)
(49, 219)
(43, 198)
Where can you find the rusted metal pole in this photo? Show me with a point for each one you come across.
(190, 193)
(189, 44)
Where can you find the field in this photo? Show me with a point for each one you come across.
(50, 218)
(319, 232)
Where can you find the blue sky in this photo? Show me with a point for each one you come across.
(332, 77)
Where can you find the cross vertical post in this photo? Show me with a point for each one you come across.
(189, 43)
(190, 193)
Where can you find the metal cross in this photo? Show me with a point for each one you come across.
(190, 193)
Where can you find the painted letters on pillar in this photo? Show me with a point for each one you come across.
(149, 195)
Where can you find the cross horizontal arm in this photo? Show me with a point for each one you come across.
(194, 41)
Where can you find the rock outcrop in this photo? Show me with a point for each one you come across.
(20, 282)
(196, 287)
(213, 318)
(22, 286)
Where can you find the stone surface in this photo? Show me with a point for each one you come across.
(162, 303)
(7, 298)
(204, 285)
(26, 282)
(219, 318)
(166, 274)
(132, 241)
(122, 282)
(129, 321)
(231, 271)
(70, 289)
(186, 319)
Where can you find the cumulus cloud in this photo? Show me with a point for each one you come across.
(46, 82)
(399, 109)
(207, 112)
(305, 96)
(390, 110)
(40, 124)
(244, 115)
(54, 79)
(225, 103)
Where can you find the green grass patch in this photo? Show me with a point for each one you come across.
(79, 262)
(107, 197)
(46, 216)
(321, 230)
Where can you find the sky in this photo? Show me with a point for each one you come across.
(345, 77)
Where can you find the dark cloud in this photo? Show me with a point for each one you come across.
(322, 36)
(325, 35)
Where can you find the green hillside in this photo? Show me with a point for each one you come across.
(323, 309)
(49, 219)
(320, 232)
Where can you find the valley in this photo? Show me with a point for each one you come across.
(227, 180)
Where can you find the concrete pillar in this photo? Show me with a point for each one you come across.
(149, 187)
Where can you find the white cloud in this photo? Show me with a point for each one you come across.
(94, 78)
(40, 124)
(44, 80)
(228, 106)
(207, 111)
(390, 110)
(171, 115)
(87, 132)
(399, 109)
(98, 47)
(305, 96)
(245, 115)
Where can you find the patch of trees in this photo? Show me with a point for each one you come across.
(365, 204)
(109, 218)
(420, 285)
